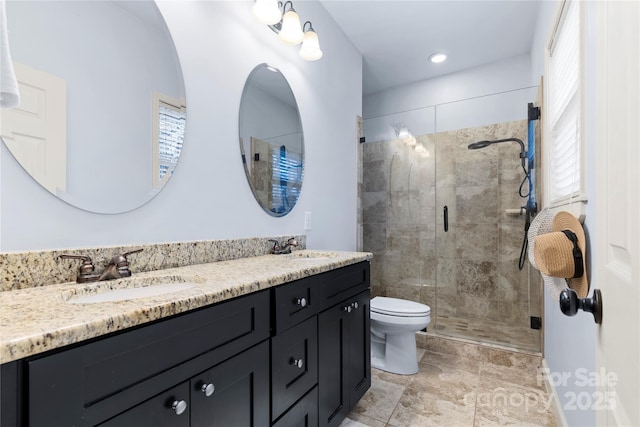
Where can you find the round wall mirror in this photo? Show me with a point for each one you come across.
(271, 140)
(102, 114)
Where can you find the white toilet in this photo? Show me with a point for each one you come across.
(394, 323)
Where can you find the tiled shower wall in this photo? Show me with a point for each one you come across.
(470, 271)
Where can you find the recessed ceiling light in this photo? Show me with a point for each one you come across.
(438, 57)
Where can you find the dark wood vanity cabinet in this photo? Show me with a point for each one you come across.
(294, 355)
(345, 357)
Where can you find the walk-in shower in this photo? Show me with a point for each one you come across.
(465, 266)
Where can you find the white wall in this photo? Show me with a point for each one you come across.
(208, 197)
(491, 93)
(569, 342)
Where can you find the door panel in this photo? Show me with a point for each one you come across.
(617, 252)
(35, 131)
(240, 394)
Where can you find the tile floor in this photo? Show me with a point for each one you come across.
(501, 333)
(480, 388)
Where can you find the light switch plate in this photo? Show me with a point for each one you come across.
(307, 220)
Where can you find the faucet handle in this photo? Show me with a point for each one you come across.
(276, 245)
(292, 242)
(122, 263)
(86, 272)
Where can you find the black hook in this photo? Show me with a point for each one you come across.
(570, 304)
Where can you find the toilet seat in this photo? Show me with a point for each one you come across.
(399, 307)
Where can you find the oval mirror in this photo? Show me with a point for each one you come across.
(271, 140)
(102, 114)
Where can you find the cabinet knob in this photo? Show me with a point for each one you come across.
(347, 308)
(354, 305)
(208, 389)
(298, 363)
(179, 406)
(302, 302)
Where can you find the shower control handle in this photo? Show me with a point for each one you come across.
(446, 218)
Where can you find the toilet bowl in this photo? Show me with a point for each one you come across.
(394, 323)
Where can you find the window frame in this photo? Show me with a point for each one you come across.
(578, 198)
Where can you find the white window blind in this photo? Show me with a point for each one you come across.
(286, 178)
(563, 107)
(172, 121)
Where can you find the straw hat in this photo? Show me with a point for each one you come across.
(559, 253)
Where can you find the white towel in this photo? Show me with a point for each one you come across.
(9, 95)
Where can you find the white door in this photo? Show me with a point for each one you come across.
(35, 131)
(617, 235)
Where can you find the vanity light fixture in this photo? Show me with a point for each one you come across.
(438, 57)
(310, 50)
(267, 12)
(283, 19)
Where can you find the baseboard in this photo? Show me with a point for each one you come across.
(556, 406)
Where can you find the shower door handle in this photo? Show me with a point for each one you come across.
(446, 218)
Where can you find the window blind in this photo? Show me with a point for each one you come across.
(286, 178)
(172, 121)
(563, 107)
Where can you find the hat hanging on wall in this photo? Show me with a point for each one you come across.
(561, 253)
(557, 248)
(541, 224)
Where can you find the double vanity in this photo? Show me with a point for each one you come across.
(274, 340)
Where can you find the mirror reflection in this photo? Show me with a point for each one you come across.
(102, 115)
(271, 140)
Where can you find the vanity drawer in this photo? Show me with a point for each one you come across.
(345, 282)
(294, 365)
(295, 302)
(97, 379)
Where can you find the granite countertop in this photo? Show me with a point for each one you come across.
(39, 319)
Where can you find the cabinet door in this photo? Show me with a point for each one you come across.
(302, 414)
(359, 348)
(333, 343)
(344, 369)
(168, 409)
(233, 393)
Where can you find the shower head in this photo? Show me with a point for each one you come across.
(479, 144)
(482, 144)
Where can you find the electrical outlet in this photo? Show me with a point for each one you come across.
(307, 220)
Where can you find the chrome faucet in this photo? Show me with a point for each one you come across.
(117, 268)
(283, 248)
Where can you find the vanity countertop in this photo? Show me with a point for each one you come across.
(39, 319)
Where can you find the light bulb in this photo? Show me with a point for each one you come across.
(291, 31)
(267, 12)
(310, 50)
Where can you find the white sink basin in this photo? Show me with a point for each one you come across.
(129, 289)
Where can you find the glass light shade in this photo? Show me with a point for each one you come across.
(420, 148)
(310, 50)
(291, 31)
(267, 12)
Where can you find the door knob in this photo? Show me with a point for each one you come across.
(179, 406)
(207, 389)
(570, 304)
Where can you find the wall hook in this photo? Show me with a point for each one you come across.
(570, 304)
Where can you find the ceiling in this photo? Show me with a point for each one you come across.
(397, 37)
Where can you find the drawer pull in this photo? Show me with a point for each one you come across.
(298, 363)
(208, 389)
(347, 308)
(179, 406)
(302, 302)
(354, 305)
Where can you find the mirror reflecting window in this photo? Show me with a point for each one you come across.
(271, 140)
(102, 115)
